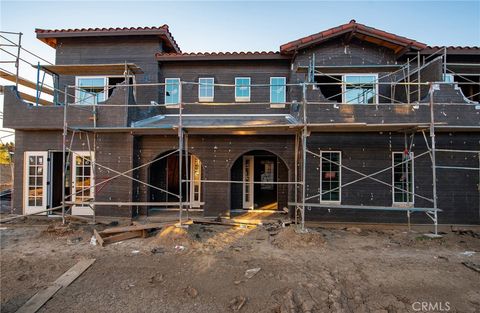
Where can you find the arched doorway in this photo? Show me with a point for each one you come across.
(260, 171)
(164, 174)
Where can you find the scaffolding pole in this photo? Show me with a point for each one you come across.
(434, 165)
(304, 154)
(180, 153)
(64, 148)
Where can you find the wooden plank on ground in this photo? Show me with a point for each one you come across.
(98, 237)
(122, 236)
(41, 297)
(123, 229)
(24, 82)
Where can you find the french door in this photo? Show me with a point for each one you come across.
(83, 182)
(35, 182)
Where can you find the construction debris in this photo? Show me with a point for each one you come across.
(192, 292)
(237, 303)
(472, 266)
(466, 232)
(252, 272)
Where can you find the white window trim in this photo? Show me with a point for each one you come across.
(105, 85)
(240, 98)
(195, 203)
(82, 209)
(172, 105)
(344, 87)
(32, 209)
(339, 174)
(250, 204)
(206, 99)
(403, 204)
(277, 104)
(77, 87)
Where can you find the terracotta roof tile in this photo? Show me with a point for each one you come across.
(247, 55)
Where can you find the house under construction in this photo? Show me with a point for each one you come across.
(349, 124)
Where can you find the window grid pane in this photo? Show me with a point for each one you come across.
(242, 88)
(403, 177)
(277, 89)
(330, 172)
(172, 91)
(206, 88)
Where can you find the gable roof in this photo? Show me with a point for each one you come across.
(50, 36)
(354, 29)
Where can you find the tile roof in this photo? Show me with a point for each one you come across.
(49, 35)
(249, 55)
(352, 26)
(104, 29)
(455, 47)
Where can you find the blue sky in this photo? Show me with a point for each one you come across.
(240, 26)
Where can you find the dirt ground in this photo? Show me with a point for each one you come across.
(334, 268)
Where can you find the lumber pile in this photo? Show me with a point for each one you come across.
(116, 234)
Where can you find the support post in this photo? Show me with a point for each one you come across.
(17, 61)
(64, 147)
(434, 165)
(37, 95)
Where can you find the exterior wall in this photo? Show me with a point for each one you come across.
(458, 193)
(224, 72)
(112, 150)
(217, 154)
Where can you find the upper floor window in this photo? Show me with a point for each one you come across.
(172, 90)
(95, 89)
(278, 89)
(90, 90)
(242, 89)
(205, 89)
(360, 88)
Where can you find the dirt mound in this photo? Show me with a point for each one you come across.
(172, 235)
(290, 238)
(59, 230)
